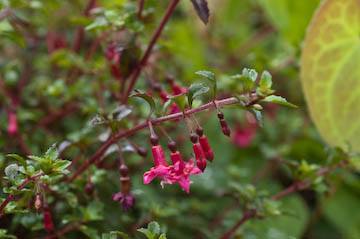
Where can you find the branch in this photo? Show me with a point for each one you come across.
(145, 58)
(295, 187)
(140, 8)
(62, 231)
(126, 133)
(22, 185)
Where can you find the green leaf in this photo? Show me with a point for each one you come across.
(52, 153)
(202, 9)
(154, 228)
(36, 158)
(195, 90)
(60, 165)
(114, 235)
(147, 98)
(330, 72)
(244, 82)
(14, 37)
(265, 81)
(211, 77)
(179, 100)
(250, 73)
(163, 236)
(11, 171)
(147, 233)
(99, 23)
(278, 100)
(3, 234)
(90, 232)
(18, 158)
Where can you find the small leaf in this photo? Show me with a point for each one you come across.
(211, 77)
(52, 153)
(196, 90)
(148, 98)
(165, 106)
(36, 158)
(98, 119)
(12, 171)
(147, 233)
(179, 100)
(154, 228)
(60, 165)
(202, 9)
(278, 100)
(246, 83)
(250, 73)
(163, 236)
(265, 81)
(18, 158)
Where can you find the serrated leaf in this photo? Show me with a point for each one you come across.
(330, 72)
(52, 153)
(154, 228)
(179, 100)
(147, 98)
(11, 171)
(195, 90)
(18, 158)
(211, 77)
(202, 9)
(278, 100)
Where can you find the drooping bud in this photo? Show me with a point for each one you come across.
(38, 202)
(172, 146)
(154, 139)
(226, 131)
(209, 154)
(159, 156)
(141, 151)
(13, 126)
(48, 223)
(89, 189)
(200, 156)
(193, 138)
(124, 170)
(199, 131)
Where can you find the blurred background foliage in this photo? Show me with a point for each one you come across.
(262, 34)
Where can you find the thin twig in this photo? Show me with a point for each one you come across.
(146, 56)
(140, 8)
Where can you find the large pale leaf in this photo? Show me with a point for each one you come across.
(330, 72)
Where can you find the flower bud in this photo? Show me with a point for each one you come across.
(89, 189)
(124, 170)
(209, 154)
(48, 223)
(200, 156)
(193, 138)
(226, 131)
(13, 126)
(172, 146)
(154, 140)
(141, 151)
(38, 203)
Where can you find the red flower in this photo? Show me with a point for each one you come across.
(183, 170)
(161, 169)
(13, 126)
(200, 156)
(48, 223)
(209, 154)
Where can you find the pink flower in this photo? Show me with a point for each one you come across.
(161, 169)
(244, 135)
(126, 200)
(183, 170)
(13, 126)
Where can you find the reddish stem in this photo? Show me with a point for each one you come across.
(145, 58)
(140, 8)
(126, 133)
(22, 185)
(247, 215)
(62, 231)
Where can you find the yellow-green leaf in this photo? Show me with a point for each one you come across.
(330, 72)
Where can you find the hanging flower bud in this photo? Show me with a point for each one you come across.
(159, 156)
(224, 126)
(48, 223)
(209, 154)
(38, 203)
(13, 126)
(89, 189)
(200, 156)
(226, 131)
(141, 151)
(124, 170)
(164, 95)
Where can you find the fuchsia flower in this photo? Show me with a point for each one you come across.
(13, 126)
(48, 223)
(209, 154)
(200, 156)
(126, 200)
(244, 135)
(183, 170)
(161, 169)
